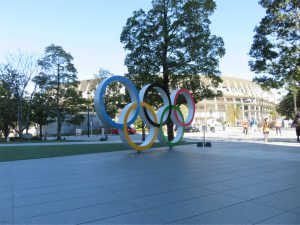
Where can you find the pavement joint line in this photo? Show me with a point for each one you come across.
(290, 211)
(283, 211)
(107, 217)
(175, 202)
(68, 210)
(261, 221)
(206, 212)
(222, 192)
(255, 198)
(52, 201)
(55, 192)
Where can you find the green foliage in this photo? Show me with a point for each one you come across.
(60, 82)
(286, 105)
(275, 50)
(8, 112)
(43, 113)
(15, 75)
(76, 120)
(172, 43)
(173, 40)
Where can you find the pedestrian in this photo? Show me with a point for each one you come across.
(224, 125)
(296, 124)
(253, 124)
(245, 127)
(266, 129)
(278, 124)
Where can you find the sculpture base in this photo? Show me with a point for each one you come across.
(204, 144)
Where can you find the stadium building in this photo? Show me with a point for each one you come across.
(249, 97)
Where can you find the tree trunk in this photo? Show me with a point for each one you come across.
(59, 120)
(143, 131)
(20, 119)
(6, 133)
(165, 65)
(28, 114)
(41, 131)
(59, 125)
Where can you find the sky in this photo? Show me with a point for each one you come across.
(90, 30)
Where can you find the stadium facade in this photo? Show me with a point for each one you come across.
(249, 97)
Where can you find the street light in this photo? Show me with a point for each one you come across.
(88, 113)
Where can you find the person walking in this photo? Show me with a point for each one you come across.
(253, 124)
(266, 129)
(278, 124)
(296, 124)
(245, 127)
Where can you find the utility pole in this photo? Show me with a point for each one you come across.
(88, 113)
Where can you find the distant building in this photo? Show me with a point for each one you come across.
(252, 100)
(242, 93)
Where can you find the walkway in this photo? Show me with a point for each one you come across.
(230, 183)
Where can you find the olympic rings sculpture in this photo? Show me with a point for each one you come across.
(138, 107)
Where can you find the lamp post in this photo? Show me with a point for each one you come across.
(88, 114)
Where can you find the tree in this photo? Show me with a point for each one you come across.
(285, 106)
(275, 50)
(8, 112)
(62, 82)
(42, 110)
(173, 40)
(16, 75)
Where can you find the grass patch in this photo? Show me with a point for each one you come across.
(12, 153)
(41, 141)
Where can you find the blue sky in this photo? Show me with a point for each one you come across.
(90, 31)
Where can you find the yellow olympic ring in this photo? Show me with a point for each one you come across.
(147, 143)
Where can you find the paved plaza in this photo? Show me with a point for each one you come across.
(230, 183)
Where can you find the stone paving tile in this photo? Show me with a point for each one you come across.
(52, 197)
(296, 210)
(232, 184)
(112, 179)
(284, 218)
(200, 181)
(6, 194)
(151, 190)
(286, 200)
(82, 215)
(130, 218)
(42, 178)
(169, 197)
(274, 175)
(63, 205)
(6, 216)
(53, 189)
(292, 180)
(6, 203)
(49, 183)
(5, 187)
(242, 213)
(137, 183)
(193, 207)
(258, 190)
